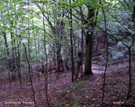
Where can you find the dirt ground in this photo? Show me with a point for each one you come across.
(83, 92)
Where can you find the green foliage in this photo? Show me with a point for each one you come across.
(76, 99)
(111, 62)
(75, 105)
(26, 23)
(61, 104)
(79, 85)
(63, 93)
(111, 93)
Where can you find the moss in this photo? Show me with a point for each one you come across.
(63, 93)
(78, 85)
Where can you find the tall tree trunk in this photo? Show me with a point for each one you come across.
(61, 39)
(107, 54)
(58, 47)
(7, 49)
(133, 13)
(130, 60)
(6, 43)
(18, 64)
(58, 57)
(88, 63)
(89, 39)
(28, 33)
(46, 59)
(30, 78)
(71, 41)
(13, 67)
(82, 51)
(130, 75)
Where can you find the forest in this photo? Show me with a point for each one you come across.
(67, 53)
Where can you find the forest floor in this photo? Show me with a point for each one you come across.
(83, 92)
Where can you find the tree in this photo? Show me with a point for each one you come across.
(89, 21)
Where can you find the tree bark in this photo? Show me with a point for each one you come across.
(71, 42)
(130, 75)
(88, 63)
(134, 12)
(89, 39)
(30, 78)
(6, 43)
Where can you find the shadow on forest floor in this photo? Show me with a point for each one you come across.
(62, 93)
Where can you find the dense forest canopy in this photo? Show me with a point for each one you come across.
(61, 35)
(22, 20)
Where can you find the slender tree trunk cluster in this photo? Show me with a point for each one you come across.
(68, 30)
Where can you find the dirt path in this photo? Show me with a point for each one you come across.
(56, 87)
